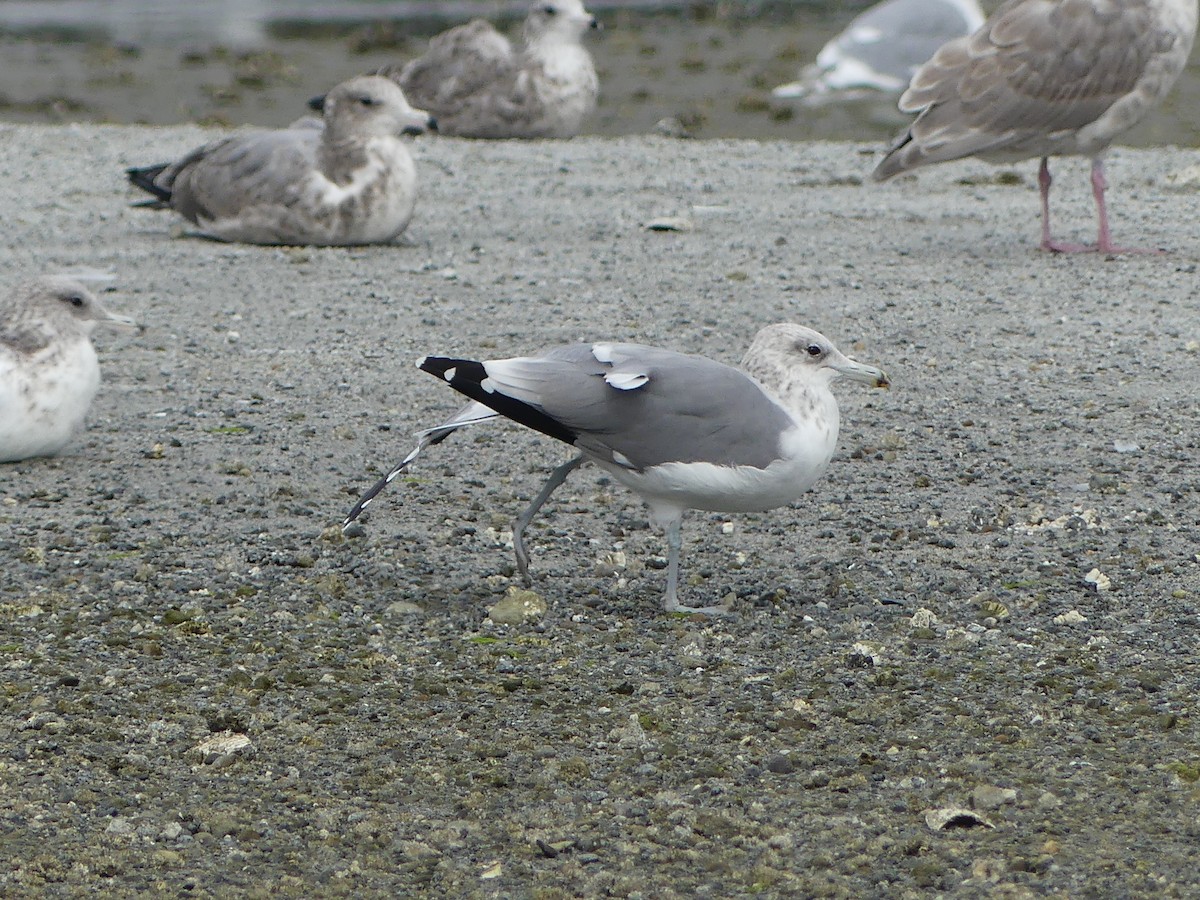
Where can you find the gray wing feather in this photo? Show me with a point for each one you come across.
(222, 178)
(690, 409)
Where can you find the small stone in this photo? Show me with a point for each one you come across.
(402, 608)
(948, 817)
(670, 223)
(1098, 580)
(221, 747)
(780, 764)
(923, 618)
(988, 796)
(518, 607)
(1071, 617)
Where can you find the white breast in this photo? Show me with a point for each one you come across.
(45, 398)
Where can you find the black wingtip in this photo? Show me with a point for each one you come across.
(467, 377)
(144, 178)
(317, 103)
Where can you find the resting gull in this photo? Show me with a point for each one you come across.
(682, 431)
(348, 179)
(476, 85)
(880, 49)
(48, 368)
(1046, 78)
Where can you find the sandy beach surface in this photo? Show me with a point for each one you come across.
(988, 604)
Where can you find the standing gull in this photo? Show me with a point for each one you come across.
(880, 49)
(1046, 78)
(48, 368)
(476, 85)
(682, 431)
(348, 179)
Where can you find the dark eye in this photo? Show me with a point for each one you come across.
(75, 300)
(549, 10)
(814, 350)
(367, 101)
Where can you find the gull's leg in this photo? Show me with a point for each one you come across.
(671, 601)
(1104, 237)
(1048, 243)
(557, 477)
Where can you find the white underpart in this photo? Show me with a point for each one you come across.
(44, 398)
(671, 488)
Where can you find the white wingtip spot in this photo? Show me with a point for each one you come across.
(421, 362)
(488, 385)
(602, 353)
(626, 381)
(450, 373)
(622, 460)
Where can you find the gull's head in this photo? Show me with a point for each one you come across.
(372, 106)
(69, 303)
(806, 354)
(558, 20)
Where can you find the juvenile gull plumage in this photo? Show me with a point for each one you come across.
(48, 368)
(1046, 78)
(880, 49)
(476, 85)
(346, 180)
(682, 431)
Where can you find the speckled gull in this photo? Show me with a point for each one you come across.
(477, 85)
(682, 431)
(48, 368)
(880, 49)
(1046, 78)
(346, 180)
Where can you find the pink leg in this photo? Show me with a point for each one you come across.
(1048, 243)
(1104, 238)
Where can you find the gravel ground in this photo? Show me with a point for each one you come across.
(989, 603)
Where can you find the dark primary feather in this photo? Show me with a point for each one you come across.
(466, 379)
(143, 177)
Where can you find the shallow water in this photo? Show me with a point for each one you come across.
(231, 62)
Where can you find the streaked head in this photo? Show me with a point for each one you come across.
(809, 353)
(66, 300)
(371, 106)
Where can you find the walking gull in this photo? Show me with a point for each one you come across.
(346, 180)
(682, 431)
(478, 86)
(1046, 78)
(48, 368)
(881, 49)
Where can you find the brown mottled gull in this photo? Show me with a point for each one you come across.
(346, 179)
(684, 432)
(1046, 78)
(476, 85)
(48, 368)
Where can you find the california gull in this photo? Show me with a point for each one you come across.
(477, 85)
(879, 50)
(682, 431)
(1046, 78)
(347, 179)
(48, 368)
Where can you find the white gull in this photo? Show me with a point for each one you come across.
(48, 368)
(684, 432)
